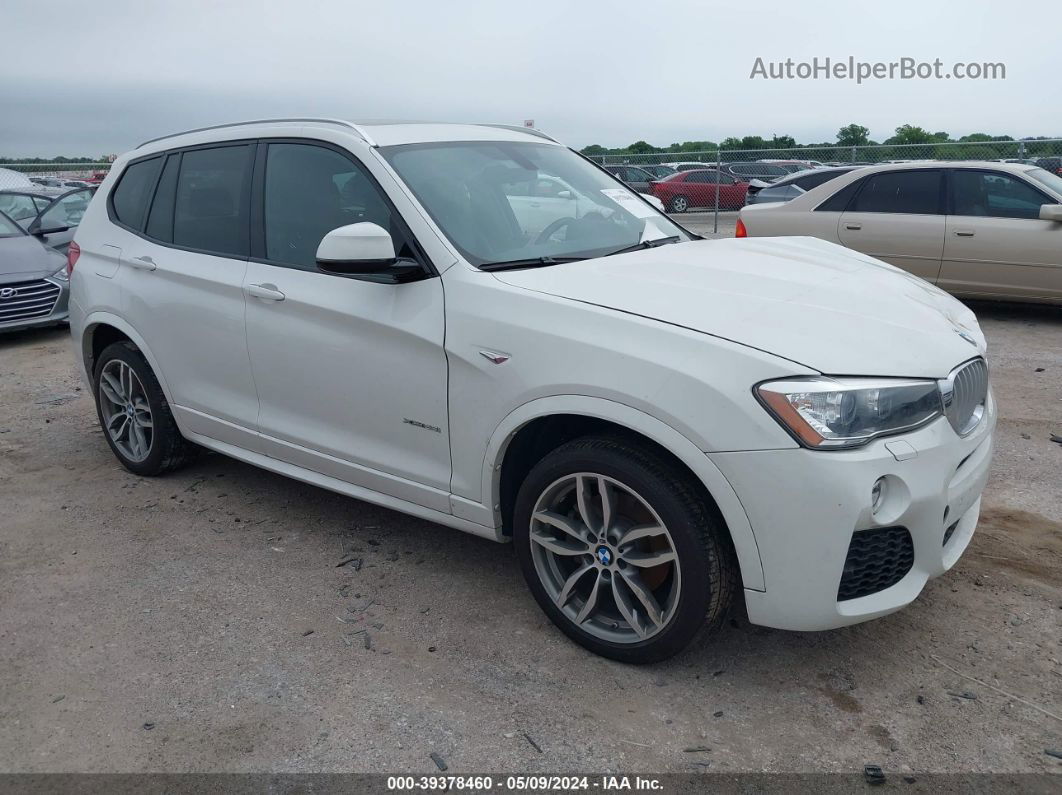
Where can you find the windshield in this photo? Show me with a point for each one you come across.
(502, 202)
(1053, 181)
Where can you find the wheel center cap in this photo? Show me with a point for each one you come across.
(604, 555)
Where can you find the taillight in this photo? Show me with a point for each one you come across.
(72, 254)
(739, 230)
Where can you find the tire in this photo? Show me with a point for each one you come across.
(691, 594)
(160, 448)
(679, 204)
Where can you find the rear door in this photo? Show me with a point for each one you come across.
(64, 214)
(996, 245)
(182, 282)
(897, 216)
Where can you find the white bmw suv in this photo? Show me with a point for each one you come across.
(476, 325)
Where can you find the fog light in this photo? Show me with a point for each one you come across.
(877, 495)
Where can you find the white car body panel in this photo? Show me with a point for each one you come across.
(409, 395)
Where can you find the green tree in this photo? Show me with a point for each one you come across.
(909, 134)
(594, 150)
(853, 135)
(641, 148)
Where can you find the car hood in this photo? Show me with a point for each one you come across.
(24, 258)
(807, 300)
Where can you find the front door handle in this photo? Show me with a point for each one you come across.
(267, 292)
(964, 233)
(143, 263)
(853, 227)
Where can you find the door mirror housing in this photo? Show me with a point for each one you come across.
(366, 251)
(40, 231)
(1051, 212)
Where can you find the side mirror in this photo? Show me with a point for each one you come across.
(1051, 212)
(364, 250)
(565, 194)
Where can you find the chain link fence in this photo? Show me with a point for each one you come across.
(737, 167)
(57, 176)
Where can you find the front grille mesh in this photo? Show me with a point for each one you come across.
(877, 559)
(964, 402)
(30, 300)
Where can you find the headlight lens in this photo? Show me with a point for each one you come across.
(830, 413)
(61, 275)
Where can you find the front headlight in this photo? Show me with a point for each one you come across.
(61, 275)
(831, 413)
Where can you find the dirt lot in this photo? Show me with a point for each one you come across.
(199, 622)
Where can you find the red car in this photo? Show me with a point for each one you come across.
(686, 189)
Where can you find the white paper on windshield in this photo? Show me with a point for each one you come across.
(652, 230)
(629, 202)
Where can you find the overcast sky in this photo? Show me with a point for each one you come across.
(87, 78)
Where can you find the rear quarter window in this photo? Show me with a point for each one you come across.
(130, 198)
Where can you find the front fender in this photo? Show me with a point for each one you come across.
(633, 419)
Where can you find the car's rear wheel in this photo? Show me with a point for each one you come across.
(678, 204)
(134, 414)
(621, 550)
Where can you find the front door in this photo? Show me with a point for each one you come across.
(351, 374)
(996, 245)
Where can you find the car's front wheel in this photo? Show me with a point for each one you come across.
(621, 550)
(679, 204)
(134, 414)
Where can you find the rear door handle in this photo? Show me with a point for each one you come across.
(143, 263)
(853, 227)
(964, 233)
(267, 292)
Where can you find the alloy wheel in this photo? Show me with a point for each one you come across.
(126, 411)
(605, 558)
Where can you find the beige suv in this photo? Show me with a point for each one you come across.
(978, 230)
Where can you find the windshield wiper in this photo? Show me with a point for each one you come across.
(656, 241)
(531, 262)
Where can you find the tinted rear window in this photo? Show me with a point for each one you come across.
(839, 201)
(909, 192)
(131, 197)
(211, 211)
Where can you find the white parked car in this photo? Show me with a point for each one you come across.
(656, 421)
(978, 230)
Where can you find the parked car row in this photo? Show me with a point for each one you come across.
(978, 230)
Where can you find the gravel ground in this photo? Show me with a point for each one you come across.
(199, 622)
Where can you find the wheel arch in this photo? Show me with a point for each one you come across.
(102, 329)
(535, 428)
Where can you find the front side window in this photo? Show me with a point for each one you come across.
(211, 209)
(994, 194)
(478, 194)
(910, 192)
(66, 211)
(131, 197)
(311, 190)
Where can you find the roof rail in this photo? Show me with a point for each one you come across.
(518, 128)
(355, 127)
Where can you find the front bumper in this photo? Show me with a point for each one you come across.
(806, 507)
